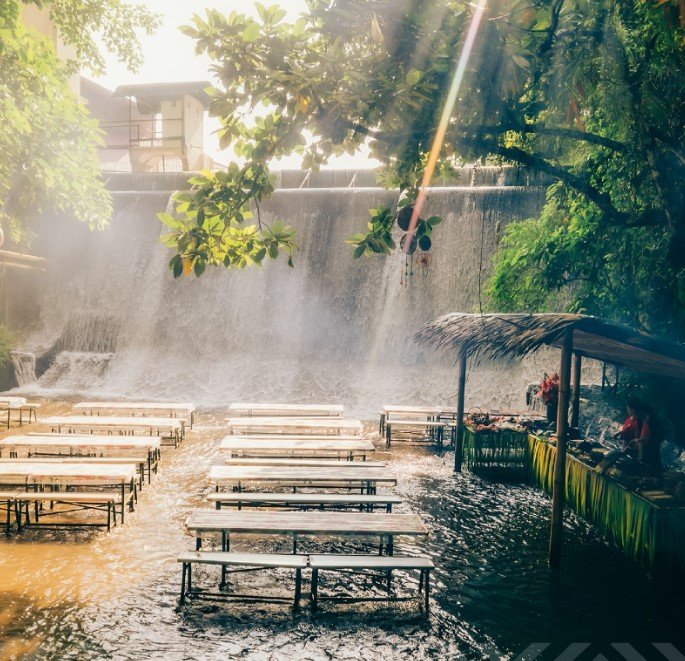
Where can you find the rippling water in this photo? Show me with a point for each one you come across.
(97, 595)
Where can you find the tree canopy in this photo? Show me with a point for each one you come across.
(587, 91)
(48, 145)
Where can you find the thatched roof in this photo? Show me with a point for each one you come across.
(517, 335)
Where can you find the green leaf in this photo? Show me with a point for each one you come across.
(413, 77)
(199, 267)
(176, 266)
(359, 251)
(252, 32)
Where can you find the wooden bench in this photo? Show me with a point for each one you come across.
(434, 428)
(364, 564)
(84, 500)
(247, 561)
(304, 501)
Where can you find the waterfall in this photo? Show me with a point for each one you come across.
(113, 322)
(24, 365)
(90, 331)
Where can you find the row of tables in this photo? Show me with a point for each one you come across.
(68, 466)
(287, 463)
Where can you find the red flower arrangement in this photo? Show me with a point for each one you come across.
(549, 388)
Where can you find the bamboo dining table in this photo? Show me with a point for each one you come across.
(429, 413)
(354, 476)
(273, 446)
(172, 426)
(171, 409)
(64, 474)
(20, 404)
(247, 409)
(299, 524)
(282, 425)
(75, 444)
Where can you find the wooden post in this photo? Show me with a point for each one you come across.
(575, 402)
(559, 481)
(461, 386)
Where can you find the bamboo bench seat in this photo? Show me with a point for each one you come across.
(143, 464)
(253, 561)
(95, 500)
(367, 563)
(280, 461)
(435, 428)
(363, 564)
(303, 500)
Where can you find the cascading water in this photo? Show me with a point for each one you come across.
(113, 322)
(24, 365)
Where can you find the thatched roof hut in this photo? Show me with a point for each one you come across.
(470, 336)
(517, 335)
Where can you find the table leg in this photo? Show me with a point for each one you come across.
(182, 599)
(426, 596)
(315, 588)
(224, 547)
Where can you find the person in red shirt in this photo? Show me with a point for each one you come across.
(651, 437)
(631, 428)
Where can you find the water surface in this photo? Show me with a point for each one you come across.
(93, 595)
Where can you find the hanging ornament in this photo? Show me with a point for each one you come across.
(408, 245)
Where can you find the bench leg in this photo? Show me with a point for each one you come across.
(123, 502)
(8, 521)
(315, 589)
(298, 589)
(388, 434)
(109, 517)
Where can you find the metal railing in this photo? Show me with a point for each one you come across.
(144, 132)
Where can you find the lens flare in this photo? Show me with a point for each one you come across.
(447, 111)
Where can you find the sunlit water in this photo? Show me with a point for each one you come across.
(85, 595)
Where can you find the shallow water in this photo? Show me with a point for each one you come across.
(96, 595)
